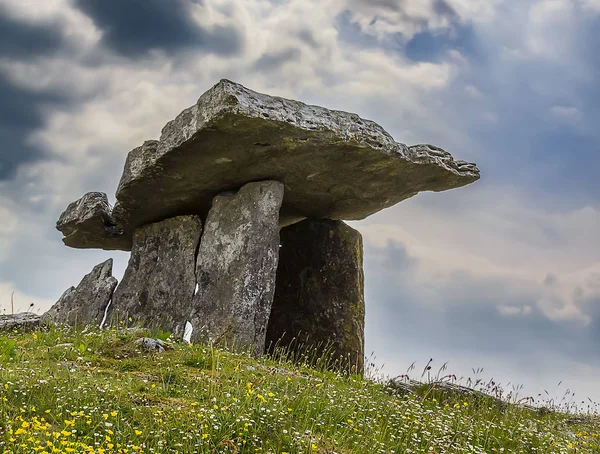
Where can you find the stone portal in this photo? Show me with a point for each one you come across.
(319, 295)
(250, 164)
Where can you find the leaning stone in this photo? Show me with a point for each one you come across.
(88, 223)
(236, 266)
(333, 164)
(87, 303)
(19, 322)
(158, 285)
(319, 295)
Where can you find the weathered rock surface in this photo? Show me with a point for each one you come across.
(319, 296)
(85, 304)
(236, 267)
(88, 223)
(20, 321)
(333, 164)
(154, 345)
(158, 285)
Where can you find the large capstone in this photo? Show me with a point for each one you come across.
(333, 165)
(88, 223)
(158, 285)
(87, 303)
(236, 267)
(319, 301)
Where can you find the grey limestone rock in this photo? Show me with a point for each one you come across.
(319, 296)
(20, 321)
(154, 345)
(88, 223)
(236, 267)
(87, 303)
(333, 164)
(158, 285)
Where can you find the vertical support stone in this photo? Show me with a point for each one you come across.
(319, 297)
(236, 267)
(157, 288)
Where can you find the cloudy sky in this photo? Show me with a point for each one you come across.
(503, 274)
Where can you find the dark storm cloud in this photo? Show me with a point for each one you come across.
(133, 27)
(21, 109)
(464, 314)
(20, 114)
(273, 60)
(22, 40)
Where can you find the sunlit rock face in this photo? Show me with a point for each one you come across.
(236, 267)
(87, 303)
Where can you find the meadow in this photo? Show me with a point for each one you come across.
(71, 391)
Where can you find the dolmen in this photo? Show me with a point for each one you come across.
(234, 219)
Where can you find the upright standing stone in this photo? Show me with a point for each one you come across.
(319, 297)
(85, 304)
(236, 267)
(158, 285)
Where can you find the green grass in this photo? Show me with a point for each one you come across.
(69, 391)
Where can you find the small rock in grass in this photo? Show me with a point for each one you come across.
(155, 345)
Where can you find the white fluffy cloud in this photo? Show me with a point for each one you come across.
(551, 256)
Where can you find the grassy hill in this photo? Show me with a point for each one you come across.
(70, 392)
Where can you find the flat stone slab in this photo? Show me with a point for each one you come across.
(87, 303)
(158, 286)
(333, 164)
(319, 299)
(19, 322)
(236, 267)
